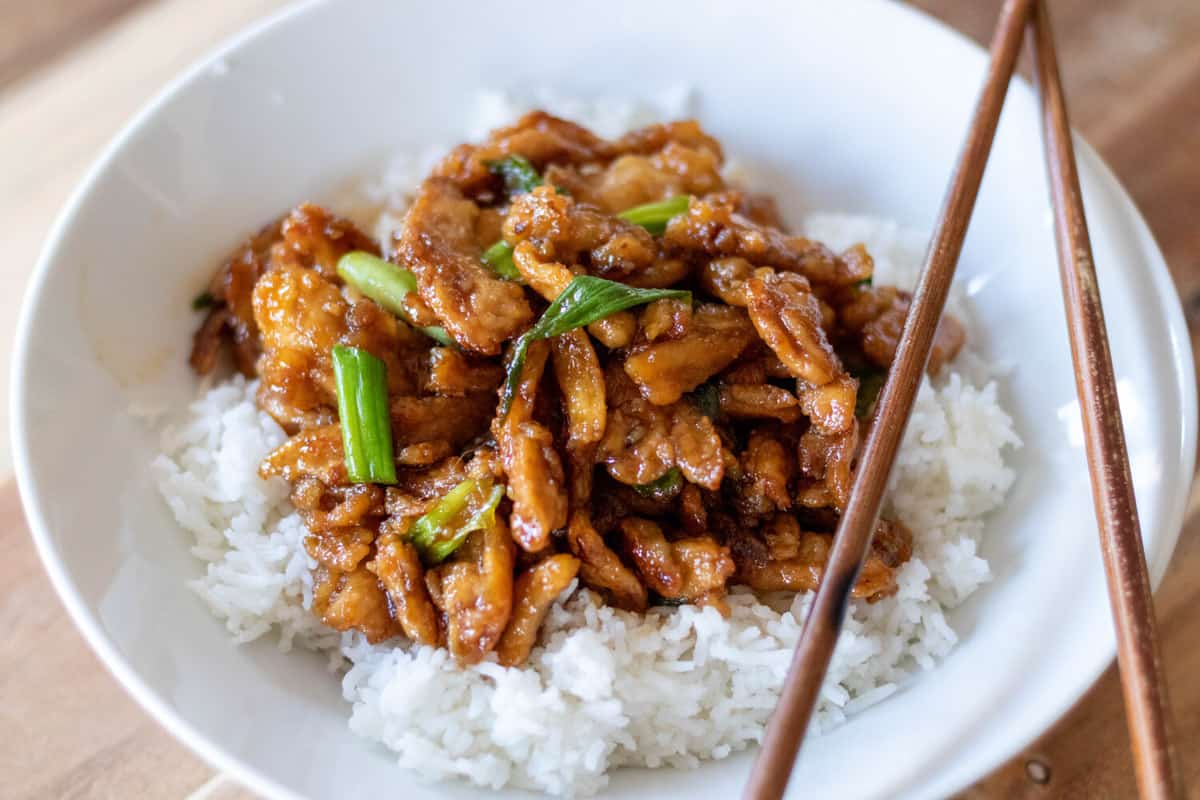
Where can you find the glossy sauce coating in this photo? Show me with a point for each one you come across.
(659, 455)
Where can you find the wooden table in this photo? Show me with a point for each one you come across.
(71, 71)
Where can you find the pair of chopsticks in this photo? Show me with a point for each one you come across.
(1108, 461)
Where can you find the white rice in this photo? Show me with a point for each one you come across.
(605, 688)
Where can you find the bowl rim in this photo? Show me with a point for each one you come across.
(225, 761)
(179, 727)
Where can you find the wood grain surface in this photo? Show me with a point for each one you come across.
(1139, 661)
(1132, 74)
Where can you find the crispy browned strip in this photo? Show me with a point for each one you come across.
(308, 237)
(831, 406)
(642, 441)
(948, 340)
(207, 341)
(675, 168)
(538, 136)
(698, 450)
(400, 571)
(826, 458)
(474, 593)
(536, 483)
(232, 317)
(712, 227)
(650, 552)
(665, 370)
(300, 317)
(341, 548)
(422, 454)
(788, 318)
(534, 591)
(457, 420)
(881, 336)
(692, 512)
(312, 237)
(706, 565)
(600, 568)
(756, 207)
(662, 274)
(726, 278)
(581, 465)
(581, 381)
(567, 232)
(794, 559)
(328, 508)
(759, 401)
(452, 373)
(314, 452)
(669, 318)
(767, 469)
(655, 137)
(353, 601)
(437, 243)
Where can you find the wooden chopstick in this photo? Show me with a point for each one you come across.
(1138, 657)
(788, 724)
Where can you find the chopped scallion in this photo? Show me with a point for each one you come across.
(707, 398)
(500, 258)
(361, 381)
(655, 216)
(668, 485)
(585, 300)
(870, 383)
(518, 174)
(386, 284)
(202, 301)
(470, 506)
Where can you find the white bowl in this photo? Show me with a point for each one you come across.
(858, 106)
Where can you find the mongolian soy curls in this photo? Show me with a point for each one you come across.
(657, 456)
(651, 216)
(585, 300)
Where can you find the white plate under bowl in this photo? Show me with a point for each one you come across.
(856, 106)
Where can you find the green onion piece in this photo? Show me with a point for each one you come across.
(500, 258)
(657, 599)
(668, 485)
(866, 282)
(655, 216)
(870, 383)
(585, 300)
(707, 398)
(518, 174)
(361, 380)
(202, 301)
(386, 284)
(470, 506)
